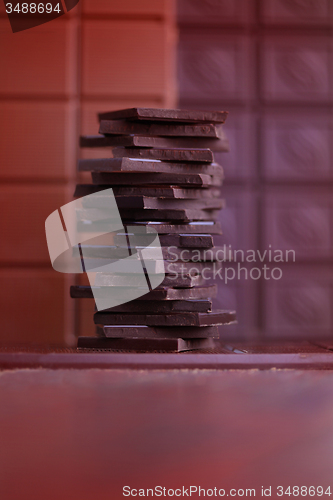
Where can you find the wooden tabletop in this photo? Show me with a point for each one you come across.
(304, 355)
(86, 433)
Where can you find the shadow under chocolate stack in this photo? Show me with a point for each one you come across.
(163, 176)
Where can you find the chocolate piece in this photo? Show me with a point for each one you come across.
(158, 332)
(172, 192)
(160, 306)
(123, 127)
(144, 345)
(179, 319)
(170, 280)
(187, 240)
(130, 270)
(181, 280)
(92, 215)
(139, 141)
(208, 268)
(184, 281)
(171, 254)
(144, 202)
(142, 178)
(153, 266)
(178, 115)
(121, 280)
(134, 165)
(174, 240)
(173, 155)
(196, 293)
(150, 191)
(202, 227)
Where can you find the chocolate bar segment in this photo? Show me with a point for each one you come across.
(168, 215)
(200, 227)
(170, 254)
(158, 332)
(123, 127)
(172, 192)
(145, 345)
(172, 155)
(166, 293)
(102, 203)
(160, 306)
(145, 203)
(144, 178)
(179, 319)
(139, 141)
(135, 165)
(177, 115)
(174, 269)
(187, 240)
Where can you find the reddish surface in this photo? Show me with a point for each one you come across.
(55, 78)
(85, 434)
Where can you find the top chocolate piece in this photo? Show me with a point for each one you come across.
(178, 115)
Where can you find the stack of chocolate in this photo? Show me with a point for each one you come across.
(166, 183)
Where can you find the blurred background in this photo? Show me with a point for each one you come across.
(268, 62)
